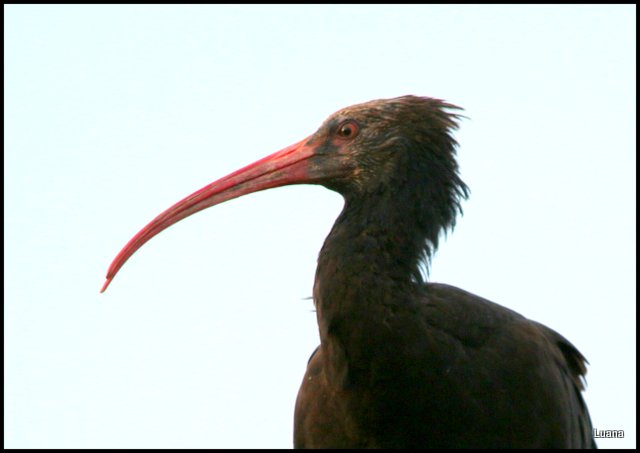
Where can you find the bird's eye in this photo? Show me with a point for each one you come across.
(348, 129)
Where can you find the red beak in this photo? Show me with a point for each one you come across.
(288, 166)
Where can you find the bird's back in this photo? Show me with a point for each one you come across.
(463, 372)
(504, 354)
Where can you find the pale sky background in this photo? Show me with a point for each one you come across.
(113, 113)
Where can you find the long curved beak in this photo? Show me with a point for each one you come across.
(292, 165)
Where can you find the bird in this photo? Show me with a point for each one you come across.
(404, 362)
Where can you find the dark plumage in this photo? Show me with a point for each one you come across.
(404, 363)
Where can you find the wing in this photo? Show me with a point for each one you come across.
(538, 355)
(574, 369)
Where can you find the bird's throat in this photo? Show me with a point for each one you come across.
(368, 272)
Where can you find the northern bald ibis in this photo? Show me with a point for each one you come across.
(402, 362)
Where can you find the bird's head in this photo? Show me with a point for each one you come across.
(367, 147)
(400, 146)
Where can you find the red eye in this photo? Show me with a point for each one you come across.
(348, 129)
